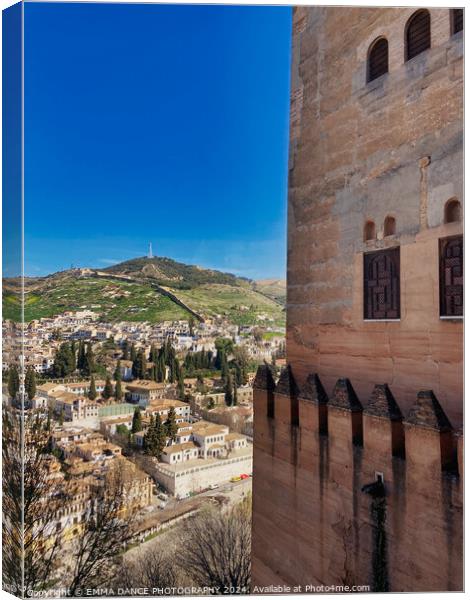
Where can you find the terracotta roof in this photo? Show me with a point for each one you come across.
(179, 447)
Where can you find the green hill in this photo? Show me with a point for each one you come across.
(153, 290)
(169, 272)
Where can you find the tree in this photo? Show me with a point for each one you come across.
(90, 360)
(30, 382)
(64, 361)
(117, 371)
(181, 391)
(136, 421)
(217, 548)
(229, 390)
(106, 527)
(133, 353)
(118, 390)
(160, 369)
(191, 323)
(125, 350)
(108, 389)
(31, 499)
(171, 426)
(235, 394)
(151, 568)
(81, 357)
(155, 437)
(139, 365)
(92, 391)
(224, 370)
(13, 382)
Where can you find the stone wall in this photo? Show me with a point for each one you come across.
(321, 516)
(362, 151)
(357, 458)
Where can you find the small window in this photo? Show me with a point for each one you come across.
(418, 34)
(389, 226)
(456, 20)
(369, 231)
(451, 276)
(378, 59)
(452, 211)
(382, 284)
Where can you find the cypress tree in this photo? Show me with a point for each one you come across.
(136, 421)
(133, 353)
(229, 390)
(160, 437)
(90, 366)
(92, 391)
(160, 369)
(30, 383)
(181, 391)
(81, 357)
(139, 365)
(108, 389)
(118, 390)
(171, 426)
(149, 437)
(117, 371)
(125, 350)
(13, 382)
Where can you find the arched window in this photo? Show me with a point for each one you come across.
(377, 64)
(369, 231)
(456, 20)
(418, 33)
(389, 226)
(452, 211)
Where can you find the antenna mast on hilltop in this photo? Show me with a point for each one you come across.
(150, 255)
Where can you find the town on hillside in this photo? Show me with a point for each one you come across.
(165, 408)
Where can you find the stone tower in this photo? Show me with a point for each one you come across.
(357, 450)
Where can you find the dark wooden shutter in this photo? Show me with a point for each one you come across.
(382, 284)
(378, 59)
(451, 276)
(457, 20)
(418, 34)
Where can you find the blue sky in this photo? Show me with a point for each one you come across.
(155, 123)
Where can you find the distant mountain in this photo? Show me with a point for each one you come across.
(167, 271)
(145, 289)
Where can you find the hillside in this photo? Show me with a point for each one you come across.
(169, 272)
(152, 290)
(273, 288)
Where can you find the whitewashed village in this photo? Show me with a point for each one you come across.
(169, 406)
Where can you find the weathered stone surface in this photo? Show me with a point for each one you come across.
(383, 404)
(428, 413)
(364, 151)
(345, 397)
(313, 390)
(264, 379)
(287, 385)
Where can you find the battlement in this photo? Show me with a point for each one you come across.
(350, 485)
(309, 407)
